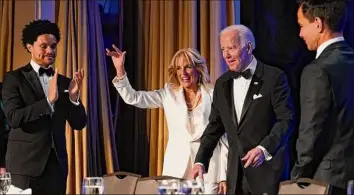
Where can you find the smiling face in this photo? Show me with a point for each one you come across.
(187, 73)
(309, 31)
(234, 53)
(44, 50)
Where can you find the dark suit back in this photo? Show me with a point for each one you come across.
(34, 128)
(264, 121)
(326, 143)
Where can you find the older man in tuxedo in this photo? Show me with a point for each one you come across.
(325, 144)
(37, 103)
(252, 104)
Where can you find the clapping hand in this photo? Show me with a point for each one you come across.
(75, 85)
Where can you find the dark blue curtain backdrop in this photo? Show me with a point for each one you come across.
(119, 25)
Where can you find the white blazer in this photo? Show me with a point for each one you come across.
(180, 146)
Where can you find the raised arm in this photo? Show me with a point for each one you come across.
(141, 99)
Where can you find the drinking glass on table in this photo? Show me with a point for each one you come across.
(5, 182)
(92, 185)
(192, 187)
(170, 186)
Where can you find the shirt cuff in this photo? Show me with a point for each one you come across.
(50, 105)
(198, 163)
(266, 154)
(222, 177)
(76, 103)
(117, 79)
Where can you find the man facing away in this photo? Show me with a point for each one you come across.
(326, 133)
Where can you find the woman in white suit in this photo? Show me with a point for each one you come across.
(186, 100)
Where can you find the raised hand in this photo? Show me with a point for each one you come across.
(75, 85)
(53, 88)
(118, 58)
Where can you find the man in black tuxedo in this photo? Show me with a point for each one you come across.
(37, 103)
(325, 144)
(252, 104)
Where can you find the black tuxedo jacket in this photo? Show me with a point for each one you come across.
(265, 121)
(325, 146)
(34, 128)
(3, 134)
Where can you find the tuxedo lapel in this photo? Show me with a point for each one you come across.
(229, 95)
(253, 89)
(32, 78)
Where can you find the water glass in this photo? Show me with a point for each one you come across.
(5, 182)
(192, 187)
(350, 187)
(92, 185)
(170, 186)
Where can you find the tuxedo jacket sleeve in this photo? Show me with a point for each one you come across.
(211, 135)
(282, 107)
(77, 115)
(316, 101)
(16, 113)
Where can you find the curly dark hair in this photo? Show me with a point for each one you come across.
(332, 12)
(36, 28)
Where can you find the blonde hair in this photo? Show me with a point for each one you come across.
(195, 59)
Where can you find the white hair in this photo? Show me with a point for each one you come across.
(245, 34)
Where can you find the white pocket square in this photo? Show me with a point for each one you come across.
(15, 190)
(255, 96)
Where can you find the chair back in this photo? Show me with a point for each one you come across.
(120, 183)
(149, 185)
(310, 187)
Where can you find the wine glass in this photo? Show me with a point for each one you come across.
(5, 182)
(92, 185)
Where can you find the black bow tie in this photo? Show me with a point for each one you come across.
(49, 71)
(245, 74)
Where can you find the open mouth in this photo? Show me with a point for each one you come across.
(231, 61)
(186, 79)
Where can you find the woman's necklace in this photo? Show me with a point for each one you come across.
(193, 104)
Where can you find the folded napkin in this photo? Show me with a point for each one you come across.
(15, 190)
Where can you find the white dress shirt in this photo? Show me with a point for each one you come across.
(44, 80)
(240, 90)
(323, 46)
